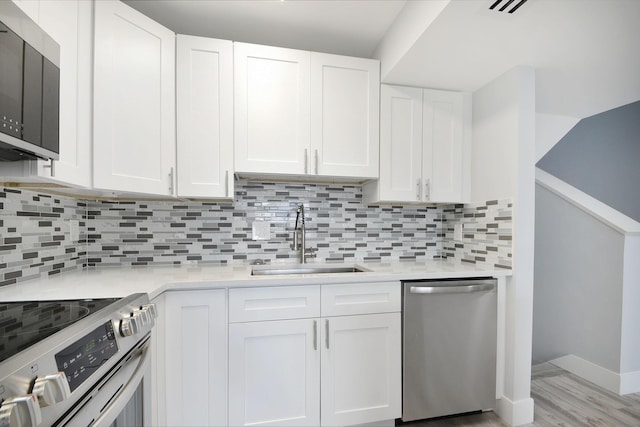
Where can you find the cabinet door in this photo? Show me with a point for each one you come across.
(196, 358)
(134, 102)
(274, 371)
(400, 143)
(204, 92)
(344, 116)
(69, 22)
(361, 369)
(443, 146)
(271, 109)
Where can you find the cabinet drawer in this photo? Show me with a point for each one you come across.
(361, 298)
(273, 303)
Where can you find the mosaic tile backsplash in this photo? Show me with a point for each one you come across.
(487, 230)
(338, 225)
(35, 235)
(36, 230)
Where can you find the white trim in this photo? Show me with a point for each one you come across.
(630, 383)
(613, 218)
(612, 381)
(515, 413)
(501, 340)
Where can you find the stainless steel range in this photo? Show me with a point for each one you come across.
(80, 362)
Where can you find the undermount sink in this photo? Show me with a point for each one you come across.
(305, 269)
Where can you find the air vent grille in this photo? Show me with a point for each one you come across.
(503, 5)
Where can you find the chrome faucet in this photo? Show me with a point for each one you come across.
(299, 236)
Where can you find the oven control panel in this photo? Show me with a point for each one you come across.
(82, 358)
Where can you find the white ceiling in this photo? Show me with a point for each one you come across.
(344, 27)
(585, 52)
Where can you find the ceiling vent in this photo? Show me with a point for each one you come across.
(503, 5)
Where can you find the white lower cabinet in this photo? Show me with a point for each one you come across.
(274, 373)
(361, 369)
(311, 370)
(195, 365)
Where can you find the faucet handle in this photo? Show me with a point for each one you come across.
(311, 253)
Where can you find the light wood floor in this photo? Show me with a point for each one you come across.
(561, 399)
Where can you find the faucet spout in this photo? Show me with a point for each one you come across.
(299, 235)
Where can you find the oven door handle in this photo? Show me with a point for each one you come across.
(120, 400)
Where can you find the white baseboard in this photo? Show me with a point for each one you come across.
(630, 383)
(515, 413)
(617, 383)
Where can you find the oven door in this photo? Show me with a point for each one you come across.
(121, 398)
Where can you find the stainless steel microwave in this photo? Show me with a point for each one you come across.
(29, 88)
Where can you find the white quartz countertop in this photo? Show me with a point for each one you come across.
(119, 282)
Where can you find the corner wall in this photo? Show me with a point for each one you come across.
(587, 288)
(503, 167)
(578, 293)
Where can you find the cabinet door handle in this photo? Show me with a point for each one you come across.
(427, 189)
(226, 183)
(316, 161)
(326, 337)
(171, 181)
(306, 162)
(315, 334)
(418, 189)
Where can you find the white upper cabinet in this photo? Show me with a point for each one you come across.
(400, 143)
(134, 102)
(204, 97)
(271, 109)
(70, 24)
(424, 147)
(444, 151)
(344, 115)
(305, 114)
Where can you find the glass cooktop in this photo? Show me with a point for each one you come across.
(23, 324)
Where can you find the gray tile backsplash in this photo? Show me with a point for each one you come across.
(338, 225)
(35, 230)
(487, 233)
(35, 238)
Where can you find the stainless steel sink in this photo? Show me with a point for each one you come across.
(305, 269)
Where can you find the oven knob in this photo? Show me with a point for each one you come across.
(22, 411)
(151, 308)
(147, 313)
(129, 326)
(143, 317)
(52, 389)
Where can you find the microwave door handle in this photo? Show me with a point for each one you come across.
(123, 397)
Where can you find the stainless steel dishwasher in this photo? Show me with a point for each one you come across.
(448, 347)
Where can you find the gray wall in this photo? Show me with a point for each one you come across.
(578, 284)
(601, 156)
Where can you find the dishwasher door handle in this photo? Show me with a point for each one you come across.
(453, 289)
